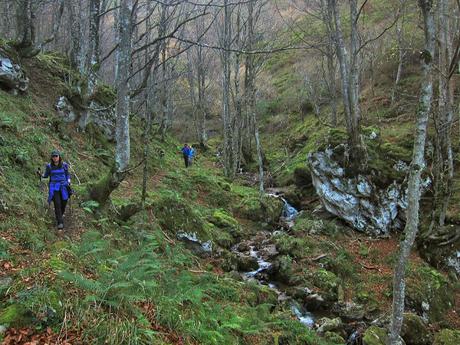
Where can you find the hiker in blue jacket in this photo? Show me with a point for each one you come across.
(191, 155)
(186, 154)
(59, 185)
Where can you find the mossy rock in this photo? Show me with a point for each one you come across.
(334, 338)
(223, 220)
(14, 315)
(375, 336)
(266, 209)
(177, 216)
(294, 246)
(304, 223)
(229, 261)
(447, 337)
(429, 291)
(247, 263)
(414, 331)
(282, 267)
(328, 283)
(262, 295)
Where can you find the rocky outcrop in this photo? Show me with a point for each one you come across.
(65, 109)
(101, 116)
(356, 199)
(104, 118)
(12, 77)
(191, 240)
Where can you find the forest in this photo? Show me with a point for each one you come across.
(229, 172)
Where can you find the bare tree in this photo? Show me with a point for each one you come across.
(416, 168)
(443, 161)
(225, 38)
(250, 86)
(349, 70)
(122, 151)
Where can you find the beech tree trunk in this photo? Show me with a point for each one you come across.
(349, 71)
(227, 116)
(122, 150)
(416, 168)
(443, 165)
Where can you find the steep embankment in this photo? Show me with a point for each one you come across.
(112, 279)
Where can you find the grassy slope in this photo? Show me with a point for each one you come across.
(109, 281)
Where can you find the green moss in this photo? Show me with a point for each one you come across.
(327, 282)
(375, 336)
(305, 223)
(415, 331)
(104, 95)
(14, 315)
(425, 285)
(447, 337)
(296, 247)
(178, 215)
(266, 209)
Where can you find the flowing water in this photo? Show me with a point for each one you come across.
(305, 317)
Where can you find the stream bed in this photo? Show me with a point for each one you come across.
(264, 266)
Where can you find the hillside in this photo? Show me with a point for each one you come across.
(206, 259)
(105, 279)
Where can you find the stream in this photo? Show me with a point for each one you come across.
(288, 216)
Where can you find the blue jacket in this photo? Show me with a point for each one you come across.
(59, 180)
(191, 153)
(186, 151)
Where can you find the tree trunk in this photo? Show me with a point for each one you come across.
(227, 118)
(349, 70)
(122, 150)
(25, 28)
(76, 50)
(417, 165)
(330, 57)
(401, 54)
(92, 62)
(443, 169)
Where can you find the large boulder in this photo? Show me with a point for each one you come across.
(12, 77)
(414, 330)
(355, 198)
(267, 209)
(429, 293)
(375, 336)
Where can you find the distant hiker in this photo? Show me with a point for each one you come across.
(59, 185)
(186, 154)
(191, 155)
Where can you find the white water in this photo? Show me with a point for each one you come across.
(305, 317)
(263, 265)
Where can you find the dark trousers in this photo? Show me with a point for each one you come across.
(59, 206)
(186, 161)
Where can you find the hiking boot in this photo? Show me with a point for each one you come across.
(60, 226)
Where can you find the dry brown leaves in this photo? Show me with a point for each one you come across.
(27, 336)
